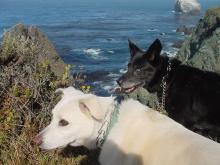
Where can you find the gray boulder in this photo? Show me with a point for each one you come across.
(187, 6)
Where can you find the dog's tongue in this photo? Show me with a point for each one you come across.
(122, 90)
(118, 90)
(129, 90)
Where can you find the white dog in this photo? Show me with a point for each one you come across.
(141, 136)
(187, 6)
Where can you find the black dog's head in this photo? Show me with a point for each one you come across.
(141, 68)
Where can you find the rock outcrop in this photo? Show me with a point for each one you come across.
(28, 61)
(202, 48)
(22, 41)
(187, 6)
(30, 71)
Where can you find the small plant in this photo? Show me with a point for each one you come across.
(66, 72)
(8, 49)
(85, 89)
(27, 93)
(16, 91)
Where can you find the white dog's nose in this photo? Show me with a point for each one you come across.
(38, 140)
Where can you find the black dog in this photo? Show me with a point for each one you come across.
(192, 96)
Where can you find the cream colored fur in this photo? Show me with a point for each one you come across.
(157, 140)
(141, 136)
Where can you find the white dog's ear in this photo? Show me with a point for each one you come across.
(91, 108)
(59, 91)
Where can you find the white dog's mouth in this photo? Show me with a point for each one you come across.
(44, 147)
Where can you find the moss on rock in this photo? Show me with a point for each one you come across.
(202, 48)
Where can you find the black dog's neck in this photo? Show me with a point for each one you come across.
(155, 85)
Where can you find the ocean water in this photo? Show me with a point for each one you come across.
(92, 35)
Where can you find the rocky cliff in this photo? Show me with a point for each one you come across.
(202, 48)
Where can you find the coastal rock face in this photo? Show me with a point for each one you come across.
(187, 6)
(29, 62)
(185, 30)
(202, 48)
(22, 41)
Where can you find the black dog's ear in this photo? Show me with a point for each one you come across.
(133, 48)
(154, 50)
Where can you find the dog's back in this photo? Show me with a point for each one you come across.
(144, 136)
(200, 91)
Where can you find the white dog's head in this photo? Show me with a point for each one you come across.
(73, 120)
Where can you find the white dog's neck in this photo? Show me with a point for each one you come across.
(100, 128)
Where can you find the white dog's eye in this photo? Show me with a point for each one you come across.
(63, 122)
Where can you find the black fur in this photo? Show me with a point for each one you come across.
(192, 96)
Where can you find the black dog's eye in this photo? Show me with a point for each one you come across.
(137, 71)
(63, 122)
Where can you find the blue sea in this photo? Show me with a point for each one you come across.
(92, 35)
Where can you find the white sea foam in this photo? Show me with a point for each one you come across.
(76, 50)
(93, 52)
(123, 71)
(113, 75)
(169, 44)
(152, 30)
(97, 82)
(111, 51)
(107, 88)
(171, 52)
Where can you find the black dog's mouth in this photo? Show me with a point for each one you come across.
(129, 89)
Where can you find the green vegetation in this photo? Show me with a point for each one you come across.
(28, 81)
(8, 49)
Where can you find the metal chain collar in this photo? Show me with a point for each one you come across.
(161, 106)
(105, 127)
